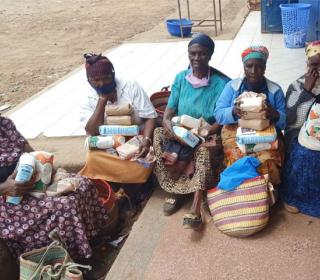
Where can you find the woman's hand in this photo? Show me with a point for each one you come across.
(310, 79)
(166, 123)
(103, 98)
(236, 111)
(271, 113)
(144, 148)
(168, 131)
(13, 188)
(213, 129)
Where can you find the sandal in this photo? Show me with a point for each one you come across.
(171, 205)
(290, 208)
(192, 221)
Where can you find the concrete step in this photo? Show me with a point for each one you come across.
(158, 248)
(69, 152)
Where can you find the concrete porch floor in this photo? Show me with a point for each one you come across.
(158, 248)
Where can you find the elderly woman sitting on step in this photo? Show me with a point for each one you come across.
(300, 189)
(106, 88)
(228, 113)
(181, 169)
(77, 216)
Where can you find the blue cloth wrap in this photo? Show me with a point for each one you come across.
(241, 170)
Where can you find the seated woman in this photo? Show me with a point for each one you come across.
(300, 188)
(194, 92)
(77, 217)
(106, 88)
(227, 113)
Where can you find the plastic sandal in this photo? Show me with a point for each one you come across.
(192, 221)
(290, 208)
(171, 205)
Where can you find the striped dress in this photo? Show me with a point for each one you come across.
(300, 185)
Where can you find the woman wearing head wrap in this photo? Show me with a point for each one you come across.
(300, 189)
(106, 89)
(228, 112)
(194, 93)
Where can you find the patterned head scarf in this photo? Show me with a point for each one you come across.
(204, 41)
(98, 65)
(258, 52)
(313, 48)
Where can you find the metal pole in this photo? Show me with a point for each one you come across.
(220, 14)
(179, 8)
(215, 16)
(188, 9)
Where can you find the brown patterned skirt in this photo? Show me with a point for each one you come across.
(208, 164)
(271, 161)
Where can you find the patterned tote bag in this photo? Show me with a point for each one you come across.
(243, 211)
(48, 263)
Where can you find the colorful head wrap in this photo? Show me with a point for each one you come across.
(313, 48)
(258, 52)
(204, 41)
(98, 65)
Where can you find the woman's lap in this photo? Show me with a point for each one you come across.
(77, 217)
(271, 161)
(301, 186)
(201, 180)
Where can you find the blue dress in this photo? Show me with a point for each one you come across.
(301, 183)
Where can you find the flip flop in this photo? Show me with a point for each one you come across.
(290, 208)
(192, 221)
(171, 205)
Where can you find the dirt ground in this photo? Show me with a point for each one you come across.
(41, 41)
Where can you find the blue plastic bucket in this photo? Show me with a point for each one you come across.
(173, 27)
(295, 20)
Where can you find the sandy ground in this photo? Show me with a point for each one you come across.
(41, 41)
(44, 40)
